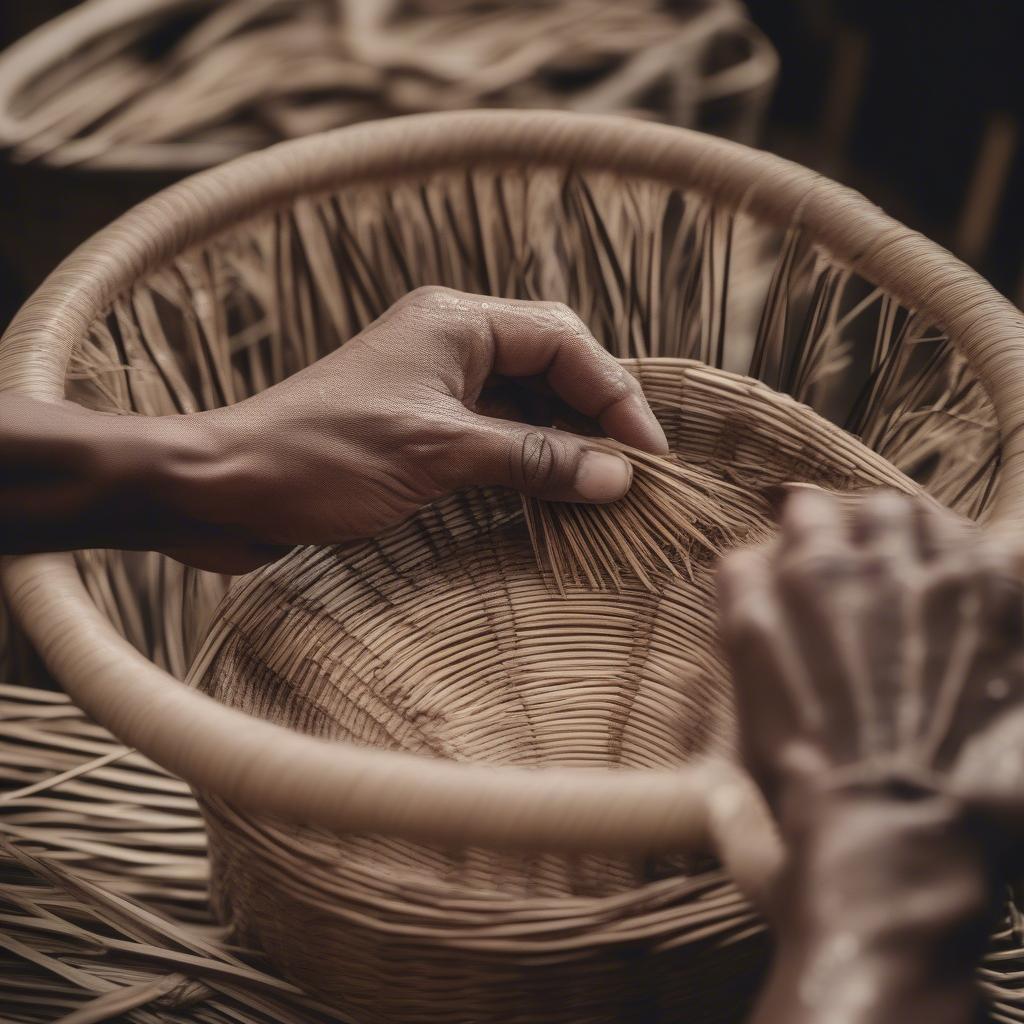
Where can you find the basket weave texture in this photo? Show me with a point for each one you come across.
(444, 638)
(235, 279)
(103, 876)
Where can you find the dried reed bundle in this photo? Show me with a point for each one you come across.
(103, 886)
(674, 513)
(215, 79)
(444, 637)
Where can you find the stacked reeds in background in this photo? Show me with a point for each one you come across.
(113, 101)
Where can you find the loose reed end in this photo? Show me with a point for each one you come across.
(674, 515)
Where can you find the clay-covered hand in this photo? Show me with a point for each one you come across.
(878, 657)
(412, 408)
(878, 639)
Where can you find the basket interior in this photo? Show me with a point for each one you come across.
(653, 270)
(444, 637)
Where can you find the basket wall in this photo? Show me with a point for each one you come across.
(655, 272)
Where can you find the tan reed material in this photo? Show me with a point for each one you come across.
(104, 87)
(103, 888)
(443, 638)
(642, 229)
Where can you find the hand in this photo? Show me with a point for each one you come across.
(885, 643)
(398, 417)
(877, 661)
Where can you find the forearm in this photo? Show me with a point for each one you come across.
(881, 919)
(71, 478)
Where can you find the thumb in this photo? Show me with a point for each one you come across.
(541, 462)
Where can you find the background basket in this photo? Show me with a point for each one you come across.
(112, 101)
(641, 229)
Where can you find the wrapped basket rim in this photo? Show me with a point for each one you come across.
(263, 767)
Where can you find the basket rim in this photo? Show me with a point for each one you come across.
(45, 45)
(274, 771)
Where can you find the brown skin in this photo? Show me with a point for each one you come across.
(442, 392)
(879, 672)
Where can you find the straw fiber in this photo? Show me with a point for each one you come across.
(444, 638)
(104, 913)
(476, 769)
(113, 101)
(188, 83)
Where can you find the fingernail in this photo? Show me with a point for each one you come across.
(602, 477)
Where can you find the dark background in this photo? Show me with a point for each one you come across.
(909, 101)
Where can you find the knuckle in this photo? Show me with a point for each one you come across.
(884, 505)
(461, 321)
(430, 294)
(532, 462)
(618, 384)
(568, 319)
(813, 568)
(738, 569)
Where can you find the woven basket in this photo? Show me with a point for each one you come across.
(113, 101)
(509, 876)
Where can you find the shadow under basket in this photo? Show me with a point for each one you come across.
(436, 788)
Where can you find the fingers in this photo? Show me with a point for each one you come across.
(834, 586)
(884, 532)
(989, 776)
(883, 524)
(548, 340)
(811, 518)
(939, 531)
(232, 559)
(973, 613)
(817, 583)
(540, 462)
(774, 701)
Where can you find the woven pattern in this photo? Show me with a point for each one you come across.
(99, 845)
(230, 282)
(445, 638)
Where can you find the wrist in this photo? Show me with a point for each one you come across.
(884, 906)
(75, 478)
(174, 473)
